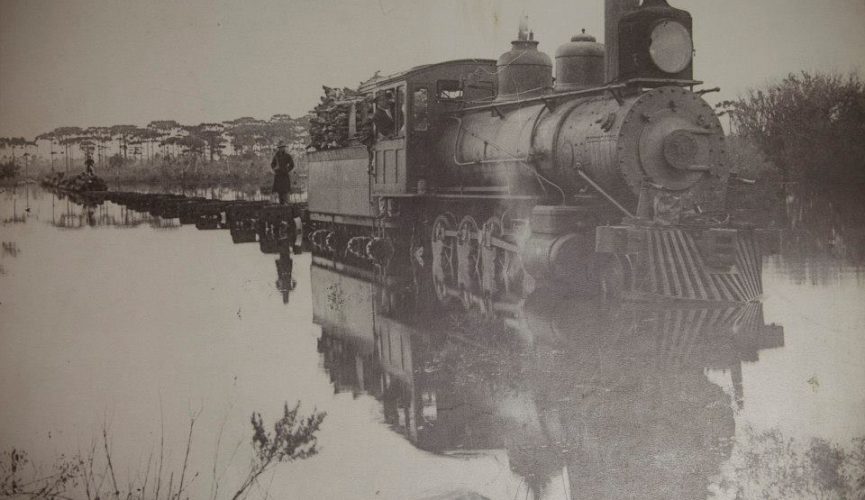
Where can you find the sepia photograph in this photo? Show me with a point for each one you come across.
(417, 250)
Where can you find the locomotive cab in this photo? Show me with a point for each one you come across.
(422, 98)
(348, 179)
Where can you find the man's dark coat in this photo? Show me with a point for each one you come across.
(281, 164)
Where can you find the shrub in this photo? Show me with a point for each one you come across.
(809, 126)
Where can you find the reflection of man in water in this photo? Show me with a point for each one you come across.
(90, 214)
(284, 281)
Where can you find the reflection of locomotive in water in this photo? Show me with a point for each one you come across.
(494, 178)
(613, 402)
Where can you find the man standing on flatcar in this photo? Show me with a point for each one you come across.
(88, 165)
(281, 165)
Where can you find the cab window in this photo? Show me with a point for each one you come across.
(449, 90)
(384, 118)
(420, 109)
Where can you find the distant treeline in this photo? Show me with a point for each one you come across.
(164, 152)
(245, 137)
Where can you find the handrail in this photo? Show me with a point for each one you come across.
(545, 97)
(577, 93)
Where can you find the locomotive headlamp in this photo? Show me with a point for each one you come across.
(671, 47)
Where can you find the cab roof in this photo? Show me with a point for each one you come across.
(379, 81)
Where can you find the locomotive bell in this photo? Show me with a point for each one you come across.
(523, 71)
(579, 64)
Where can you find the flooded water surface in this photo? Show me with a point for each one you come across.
(121, 327)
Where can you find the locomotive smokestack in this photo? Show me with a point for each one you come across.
(613, 11)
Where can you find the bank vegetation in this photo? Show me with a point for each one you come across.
(807, 128)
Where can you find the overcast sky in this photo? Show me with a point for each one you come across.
(101, 62)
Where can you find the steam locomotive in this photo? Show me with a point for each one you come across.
(493, 178)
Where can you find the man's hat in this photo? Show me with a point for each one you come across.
(280, 144)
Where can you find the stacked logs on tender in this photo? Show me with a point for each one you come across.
(329, 127)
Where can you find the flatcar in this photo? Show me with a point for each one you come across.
(488, 178)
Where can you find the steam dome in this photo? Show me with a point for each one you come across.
(579, 64)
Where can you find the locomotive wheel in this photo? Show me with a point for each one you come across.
(468, 255)
(443, 256)
(336, 241)
(493, 265)
(501, 270)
